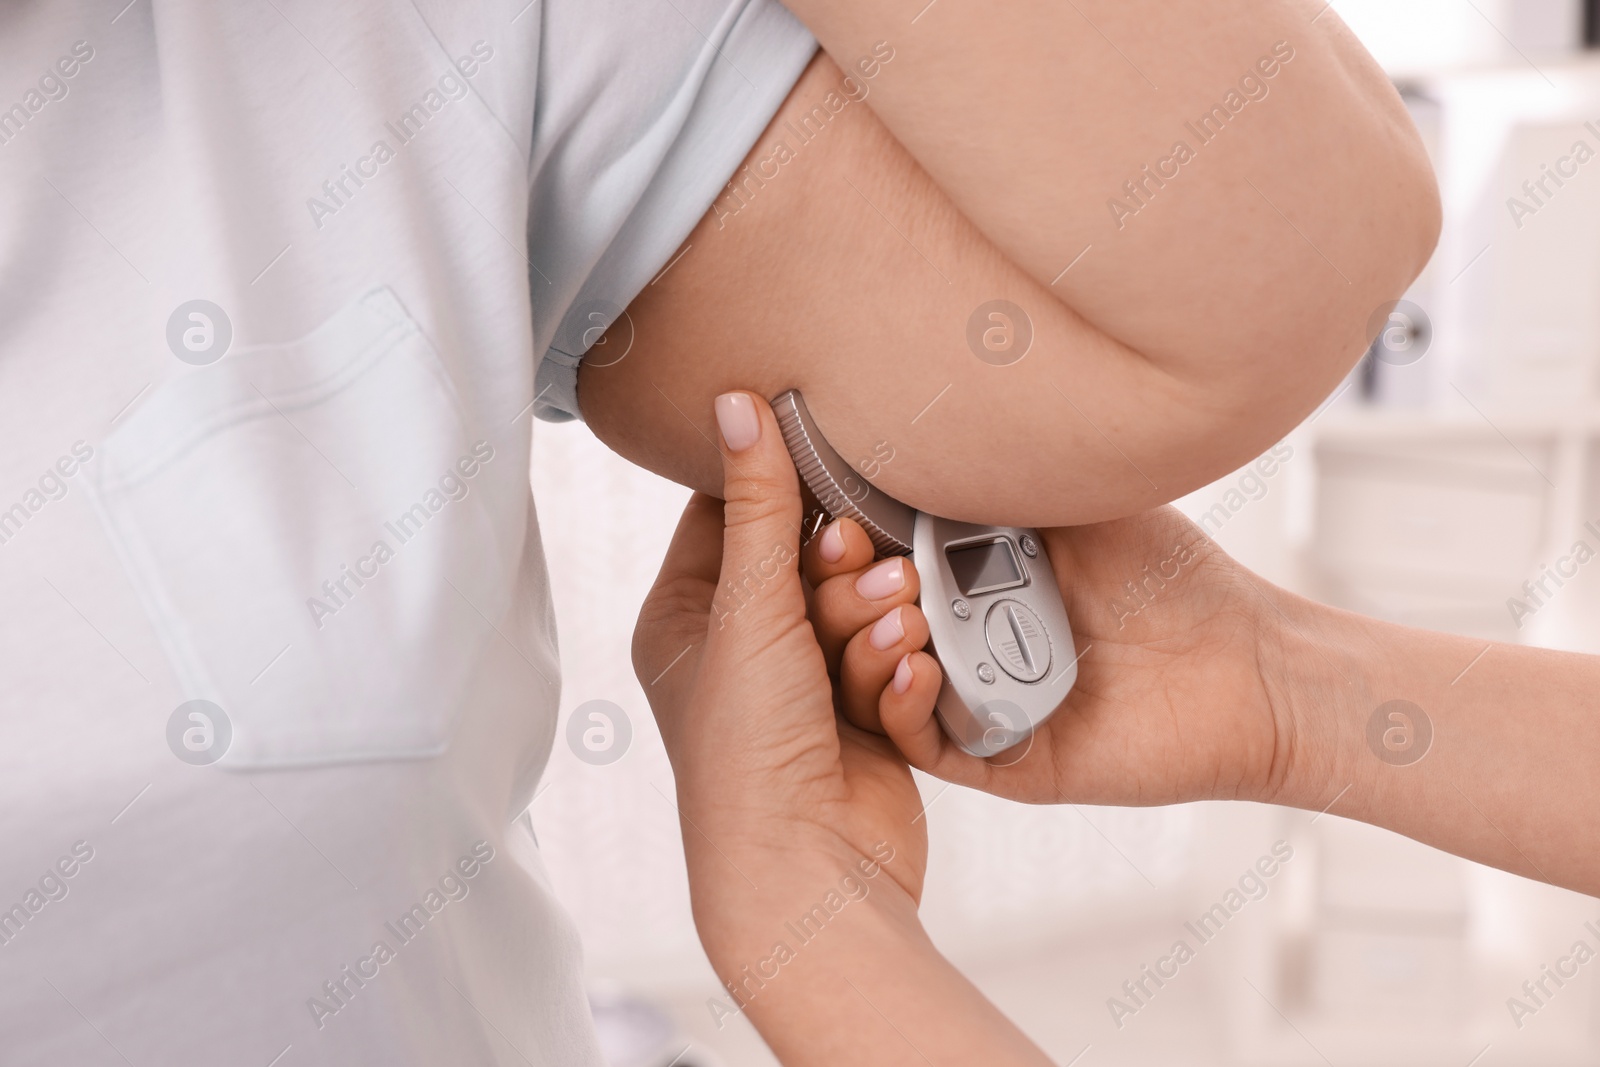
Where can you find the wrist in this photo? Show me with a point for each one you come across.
(1316, 668)
(791, 930)
(829, 978)
(749, 899)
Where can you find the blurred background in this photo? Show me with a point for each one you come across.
(1459, 461)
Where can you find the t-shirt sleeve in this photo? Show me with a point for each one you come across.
(644, 109)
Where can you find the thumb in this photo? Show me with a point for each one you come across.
(760, 581)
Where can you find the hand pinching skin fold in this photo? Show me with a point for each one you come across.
(781, 801)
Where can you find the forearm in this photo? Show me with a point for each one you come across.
(831, 977)
(1511, 777)
(1298, 215)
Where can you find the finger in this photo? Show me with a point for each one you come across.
(870, 660)
(758, 589)
(906, 709)
(841, 547)
(907, 713)
(846, 604)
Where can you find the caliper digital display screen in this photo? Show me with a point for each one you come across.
(984, 566)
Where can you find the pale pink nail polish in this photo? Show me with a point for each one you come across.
(902, 674)
(885, 579)
(738, 421)
(887, 631)
(831, 547)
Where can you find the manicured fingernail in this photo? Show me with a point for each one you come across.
(737, 419)
(885, 579)
(902, 674)
(831, 546)
(887, 631)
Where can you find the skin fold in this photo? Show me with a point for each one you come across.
(853, 252)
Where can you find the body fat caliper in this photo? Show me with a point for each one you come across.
(995, 616)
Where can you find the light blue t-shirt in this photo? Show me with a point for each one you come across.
(279, 662)
(610, 205)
